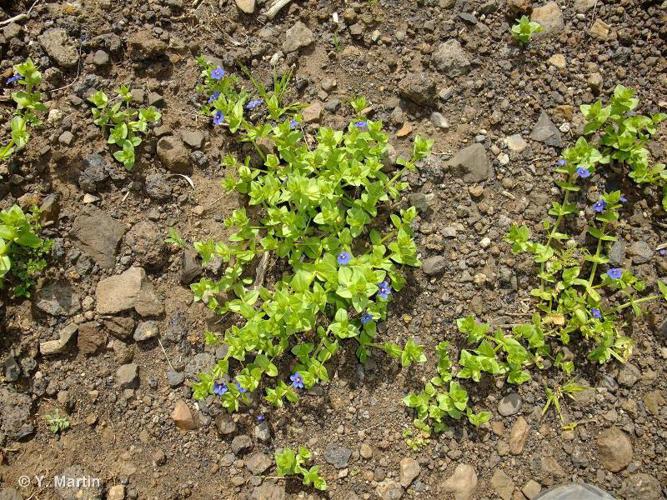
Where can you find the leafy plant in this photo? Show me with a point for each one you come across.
(175, 238)
(524, 29)
(292, 463)
(554, 397)
(618, 137)
(22, 251)
(124, 124)
(57, 424)
(28, 107)
(317, 218)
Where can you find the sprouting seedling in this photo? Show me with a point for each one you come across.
(524, 30)
(175, 238)
(555, 396)
(292, 463)
(359, 104)
(57, 423)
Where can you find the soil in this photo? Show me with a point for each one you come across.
(486, 90)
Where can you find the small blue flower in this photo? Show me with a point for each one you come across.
(293, 123)
(662, 252)
(366, 318)
(599, 206)
(361, 124)
(623, 199)
(384, 290)
(561, 162)
(214, 97)
(297, 380)
(595, 312)
(344, 258)
(261, 418)
(218, 73)
(218, 118)
(254, 104)
(219, 389)
(615, 273)
(241, 389)
(13, 79)
(583, 172)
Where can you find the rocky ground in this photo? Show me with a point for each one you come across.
(112, 336)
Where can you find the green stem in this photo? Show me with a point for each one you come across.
(638, 301)
(598, 250)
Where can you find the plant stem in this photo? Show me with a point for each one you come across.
(597, 255)
(638, 301)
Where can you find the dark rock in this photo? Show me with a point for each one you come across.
(191, 267)
(15, 414)
(98, 235)
(57, 299)
(451, 59)
(120, 327)
(546, 132)
(147, 244)
(60, 47)
(12, 369)
(157, 187)
(142, 45)
(641, 252)
(91, 337)
(241, 444)
(418, 88)
(338, 456)
(96, 171)
(174, 155)
(472, 164)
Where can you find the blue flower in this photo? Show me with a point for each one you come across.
(583, 172)
(13, 79)
(561, 163)
(253, 104)
(344, 258)
(297, 380)
(218, 118)
(242, 390)
(361, 124)
(219, 389)
(214, 97)
(623, 199)
(218, 73)
(384, 290)
(599, 206)
(662, 252)
(366, 318)
(261, 418)
(293, 123)
(615, 273)
(595, 312)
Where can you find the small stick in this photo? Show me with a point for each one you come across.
(19, 17)
(275, 8)
(165, 353)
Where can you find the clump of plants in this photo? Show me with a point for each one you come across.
(123, 124)
(524, 29)
(292, 463)
(56, 422)
(28, 107)
(310, 263)
(583, 302)
(22, 251)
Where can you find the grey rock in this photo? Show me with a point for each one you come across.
(262, 432)
(174, 155)
(297, 37)
(191, 267)
(269, 490)
(546, 132)
(628, 375)
(389, 490)
(435, 265)
(193, 138)
(641, 252)
(12, 369)
(73, 488)
(10, 494)
(96, 171)
(418, 88)
(462, 483)
(147, 244)
(198, 363)
(578, 491)
(641, 487)
(174, 378)
(146, 330)
(155, 99)
(15, 414)
(56, 346)
(614, 449)
(409, 471)
(617, 253)
(57, 298)
(157, 187)
(98, 235)
(100, 58)
(127, 376)
(451, 59)
(258, 462)
(225, 424)
(60, 47)
(241, 444)
(472, 164)
(338, 456)
(510, 404)
(66, 138)
(421, 201)
(143, 45)
(439, 121)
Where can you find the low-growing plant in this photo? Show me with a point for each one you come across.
(317, 213)
(123, 123)
(22, 251)
(57, 423)
(28, 107)
(582, 302)
(292, 463)
(524, 29)
(617, 137)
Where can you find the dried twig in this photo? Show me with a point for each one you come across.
(260, 272)
(275, 8)
(19, 17)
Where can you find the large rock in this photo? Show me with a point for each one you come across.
(614, 449)
(246, 6)
(60, 47)
(91, 337)
(518, 436)
(174, 155)
(143, 45)
(472, 164)
(641, 487)
(56, 346)
(147, 244)
(434, 265)
(338, 456)
(183, 417)
(15, 414)
(418, 88)
(297, 36)
(98, 235)
(127, 376)
(410, 469)
(502, 484)
(451, 59)
(57, 299)
(546, 132)
(462, 483)
(549, 16)
(129, 290)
